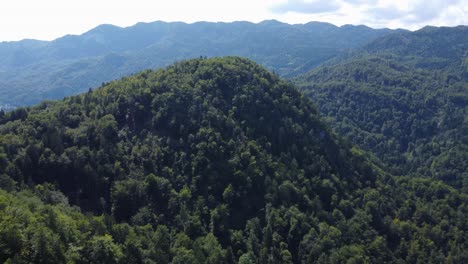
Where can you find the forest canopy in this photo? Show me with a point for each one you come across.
(208, 161)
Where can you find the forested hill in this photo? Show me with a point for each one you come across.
(31, 71)
(208, 161)
(447, 43)
(405, 99)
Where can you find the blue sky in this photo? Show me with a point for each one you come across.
(49, 19)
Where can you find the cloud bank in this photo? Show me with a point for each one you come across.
(410, 14)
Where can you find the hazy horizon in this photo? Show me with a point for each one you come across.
(51, 19)
(189, 23)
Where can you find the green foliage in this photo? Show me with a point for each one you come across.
(101, 249)
(208, 161)
(404, 100)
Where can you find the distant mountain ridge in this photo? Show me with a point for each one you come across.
(441, 42)
(31, 70)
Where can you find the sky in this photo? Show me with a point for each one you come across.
(50, 19)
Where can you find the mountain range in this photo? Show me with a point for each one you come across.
(359, 157)
(32, 71)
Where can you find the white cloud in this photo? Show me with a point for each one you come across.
(417, 13)
(306, 7)
(409, 14)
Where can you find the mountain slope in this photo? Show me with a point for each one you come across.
(211, 161)
(404, 99)
(31, 71)
(447, 43)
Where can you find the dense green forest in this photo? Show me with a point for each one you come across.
(208, 161)
(31, 71)
(405, 99)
